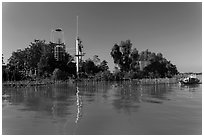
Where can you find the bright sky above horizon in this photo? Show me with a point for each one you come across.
(174, 29)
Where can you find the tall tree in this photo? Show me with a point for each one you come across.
(121, 55)
(126, 47)
(47, 62)
(129, 60)
(134, 55)
(116, 54)
(103, 66)
(89, 67)
(16, 61)
(34, 53)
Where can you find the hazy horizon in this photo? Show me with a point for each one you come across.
(174, 29)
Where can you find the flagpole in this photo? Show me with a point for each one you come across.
(77, 51)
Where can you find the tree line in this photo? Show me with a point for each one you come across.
(129, 61)
(38, 61)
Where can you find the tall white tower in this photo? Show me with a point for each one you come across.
(79, 52)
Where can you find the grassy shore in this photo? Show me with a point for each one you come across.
(27, 83)
(159, 81)
(40, 82)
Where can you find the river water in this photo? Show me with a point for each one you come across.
(103, 109)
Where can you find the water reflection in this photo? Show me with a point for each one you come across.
(190, 88)
(129, 96)
(52, 100)
(71, 109)
(79, 105)
(126, 97)
(56, 100)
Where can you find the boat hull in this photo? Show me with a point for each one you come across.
(189, 83)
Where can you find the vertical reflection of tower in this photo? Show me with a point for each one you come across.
(79, 105)
(57, 37)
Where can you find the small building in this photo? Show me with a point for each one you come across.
(59, 52)
(57, 38)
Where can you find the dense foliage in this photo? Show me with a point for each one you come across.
(91, 67)
(129, 62)
(37, 60)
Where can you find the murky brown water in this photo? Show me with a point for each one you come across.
(103, 108)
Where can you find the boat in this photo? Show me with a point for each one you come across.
(192, 79)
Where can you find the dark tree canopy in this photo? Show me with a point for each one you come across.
(116, 54)
(126, 47)
(39, 56)
(103, 66)
(92, 67)
(129, 60)
(121, 55)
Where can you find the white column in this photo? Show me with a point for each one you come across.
(77, 56)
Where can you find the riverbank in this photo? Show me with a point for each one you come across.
(28, 83)
(158, 81)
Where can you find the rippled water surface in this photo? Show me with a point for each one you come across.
(103, 108)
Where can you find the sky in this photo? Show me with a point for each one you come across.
(173, 29)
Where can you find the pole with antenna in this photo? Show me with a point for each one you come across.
(77, 51)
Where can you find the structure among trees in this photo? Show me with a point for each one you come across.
(39, 60)
(57, 38)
